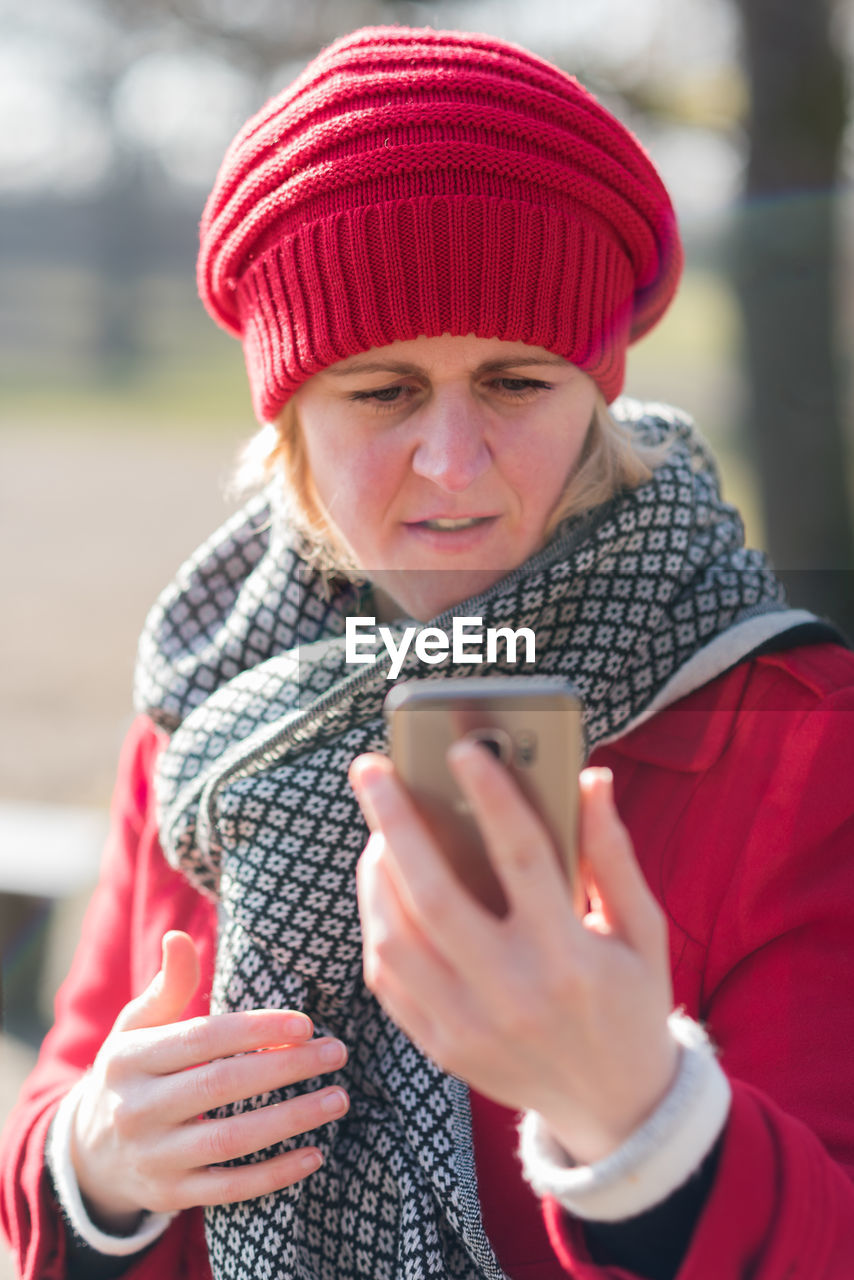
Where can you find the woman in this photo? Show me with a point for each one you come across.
(435, 249)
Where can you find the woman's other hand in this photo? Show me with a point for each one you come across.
(538, 1010)
(140, 1140)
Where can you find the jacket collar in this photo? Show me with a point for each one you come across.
(690, 735)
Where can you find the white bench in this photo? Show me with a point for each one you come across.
(49, 851)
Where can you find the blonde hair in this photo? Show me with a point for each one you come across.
(612, 460)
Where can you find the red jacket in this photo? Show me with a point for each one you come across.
(740, 801)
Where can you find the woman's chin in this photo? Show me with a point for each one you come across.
(426, 593)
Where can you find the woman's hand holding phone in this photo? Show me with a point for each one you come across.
(140, 1140)
(539, 1010)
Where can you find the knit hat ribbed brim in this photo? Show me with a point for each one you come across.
(425, 182)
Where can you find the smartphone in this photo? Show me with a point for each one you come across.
(532, 725)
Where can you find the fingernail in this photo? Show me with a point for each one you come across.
(333, 1053)
(372, 782)
(371, 788)
(607, 782)
(334, 1103)
(593, 773)
(464, 750)
(298, 1025)
(310, 1161)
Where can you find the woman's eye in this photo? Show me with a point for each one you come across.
(400, 393)
(383, 395)
(519, 388)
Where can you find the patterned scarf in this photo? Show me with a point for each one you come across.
(242, 658)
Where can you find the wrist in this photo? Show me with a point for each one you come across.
(654, 1160)
(110, 1214)
(107, 1215)
(136, 1229)
(592, 1139)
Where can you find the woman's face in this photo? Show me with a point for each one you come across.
(439, 460)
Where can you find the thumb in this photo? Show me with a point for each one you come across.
(622, 901)
(170, 990)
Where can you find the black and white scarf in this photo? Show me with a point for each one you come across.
(242, 659)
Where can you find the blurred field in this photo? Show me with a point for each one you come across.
(96, 521)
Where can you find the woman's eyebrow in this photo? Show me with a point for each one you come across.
(373, 366)
(348, 367)
(520, 362)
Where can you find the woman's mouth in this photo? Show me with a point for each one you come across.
(452, 534)
(453, 522)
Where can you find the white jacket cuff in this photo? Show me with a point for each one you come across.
(58, 1153)
(657, 1158)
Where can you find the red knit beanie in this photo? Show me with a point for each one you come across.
(426, 182)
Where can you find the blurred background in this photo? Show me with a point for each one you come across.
(123, 406)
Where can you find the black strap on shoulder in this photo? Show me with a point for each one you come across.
(817, 632)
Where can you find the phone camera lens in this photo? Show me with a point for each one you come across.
(496, 741)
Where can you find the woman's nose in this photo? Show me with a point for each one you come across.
(452, 450)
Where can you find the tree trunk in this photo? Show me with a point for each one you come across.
(785, 250)
(119, 247)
